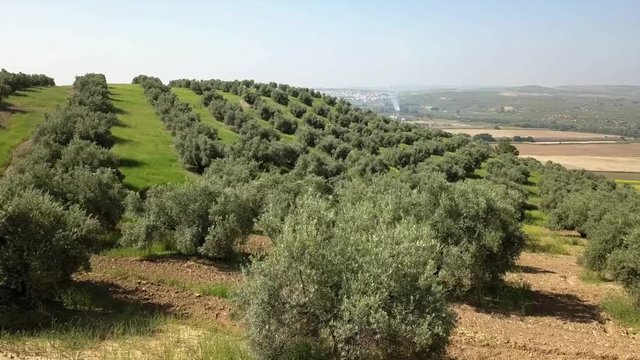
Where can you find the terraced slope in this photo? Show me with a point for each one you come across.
(143, 146)
(187, 96)
(25, 110)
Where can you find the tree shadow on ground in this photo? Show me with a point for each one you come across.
(120, 111)
(530, 270)
(128, 162)
(120, 140)
(233, 264)
(88, 311)
(8, 108)
(522, 301)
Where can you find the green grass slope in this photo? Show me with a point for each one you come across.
(226, 133)
(187, 96)
(143, 146)
(32, 104)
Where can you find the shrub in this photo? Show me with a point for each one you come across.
(321, 110)
(297, 110)
(75, 122)
(285, 125)
(504, 147)
(335, 289)
(280, 97)
(203, 218)
(42, 245)
(197, 148)
(210, 96)
(313, 121)
(478, 225)
(624, 264)
(265, 111)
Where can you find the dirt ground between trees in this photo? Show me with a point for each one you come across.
(563, 320)
(148, 282)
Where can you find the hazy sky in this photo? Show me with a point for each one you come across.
(328, 43)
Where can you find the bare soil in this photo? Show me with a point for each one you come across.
(563, 320)
(560, 321)
(601, 150)
(537, 134)
(123, 277)
(593, 163)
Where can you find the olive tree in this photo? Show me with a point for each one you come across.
(41, 244)
(338, 284)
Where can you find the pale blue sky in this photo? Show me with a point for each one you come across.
(328, 43)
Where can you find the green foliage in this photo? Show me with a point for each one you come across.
(484, 137)
(605, 213)
(313, 121)
(69, 161)
(284, 125)
(76, 122)
(479, 223)
(280, 97)
(508, 166)
(12, 82)
(504, 147)
(196, 143)
(331, 289)
(203, 217)
(42, 244)
(624, 263)
(265, 111)
(297, 110)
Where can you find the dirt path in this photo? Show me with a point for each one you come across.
(562, 322)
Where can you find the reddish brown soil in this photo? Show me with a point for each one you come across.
(562, 321)
(139, 280)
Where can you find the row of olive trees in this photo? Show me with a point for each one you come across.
(60, 200)
(365, 259)
(12, 82)
(607, 214)
(250, 89)
(367, 272)
(196, 143)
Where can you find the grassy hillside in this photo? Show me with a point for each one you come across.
(30, 107)
(142, 144)
(187, 96)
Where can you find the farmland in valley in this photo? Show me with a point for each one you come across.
(539, 135)
(621, 157)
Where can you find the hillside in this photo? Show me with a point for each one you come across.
(245, 220)
(22, 111)
(143, 147)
